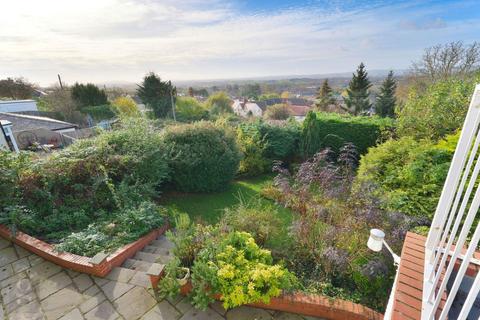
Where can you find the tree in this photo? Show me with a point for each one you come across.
(310, 135)
(86, 95)
(251, 91)
(357, 99)
(267, 96)
(385, 104)
(285, 95)
(190, 109)
(438, 110)
(277, 112)
(126, 106)
(219, 103)
(325, 96)
(61, 102)
(190, 91)
(16, 89)
(157, 94)
(451, 59)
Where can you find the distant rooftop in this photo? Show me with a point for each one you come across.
(22, 122)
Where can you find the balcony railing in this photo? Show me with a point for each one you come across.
(455, 232)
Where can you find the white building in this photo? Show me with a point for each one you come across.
(7, 139)
(245, 108)
(18, 106)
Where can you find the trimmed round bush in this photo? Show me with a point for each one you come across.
(203, 157)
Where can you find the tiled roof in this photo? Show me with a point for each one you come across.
(21, 122)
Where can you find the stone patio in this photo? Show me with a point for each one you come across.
(32, 288)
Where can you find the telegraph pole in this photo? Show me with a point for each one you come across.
(60, 81)
(173, 104)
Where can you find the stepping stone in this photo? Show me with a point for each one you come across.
(103, 311)
(31, 311)
(7, 255)
(42, 271)
(120, 274)
(209, 314)
(52, 285)
(248, 313)
(162, 311)
(113, 290)
(134, 303)
(62, 302)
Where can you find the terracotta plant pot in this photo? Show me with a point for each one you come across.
(183, 281)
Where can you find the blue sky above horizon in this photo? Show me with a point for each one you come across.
(121, 40)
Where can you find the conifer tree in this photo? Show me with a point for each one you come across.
(310, 135)
(325, 96)
(357, 98)
(385, 104)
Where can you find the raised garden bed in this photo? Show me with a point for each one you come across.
(99, 266)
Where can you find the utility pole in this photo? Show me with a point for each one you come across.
(60, 81)
(173, 104)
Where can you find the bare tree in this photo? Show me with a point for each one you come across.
(18, 88)
(451, 59)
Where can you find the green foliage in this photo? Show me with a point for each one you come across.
(125, 106)
(408, 174)
(277, 112)
(385, 104)
(190, 109)
(88, 95)
(262, 143)
(269, 95)
(251, 91)
(203, 157)
(321, 130)
(438, 110)
(357, 98)
(219, 103)
(99, 113)
(325, 96)
(157, 95)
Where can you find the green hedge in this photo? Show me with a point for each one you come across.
(202, 156)
(321, 130)
(99, 113)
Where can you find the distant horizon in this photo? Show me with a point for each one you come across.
(208, 40)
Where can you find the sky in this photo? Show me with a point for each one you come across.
(121, 40)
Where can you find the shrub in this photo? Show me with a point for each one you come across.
(437, 111)
(190, 109)
(99, 113)
(219, 103)
(88, 95)
(277, 112)
(320, 128)
(125, 106)
(262, 143)
(408, 174)
(203, 157)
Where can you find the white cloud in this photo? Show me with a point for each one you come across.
(108, 40)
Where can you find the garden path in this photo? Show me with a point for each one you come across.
(34, 289)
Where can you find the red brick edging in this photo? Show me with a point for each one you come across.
(313, 305)
(76, 262)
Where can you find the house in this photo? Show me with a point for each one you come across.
(18, 105)
(298, 112)
(247, 108)
(28, 129)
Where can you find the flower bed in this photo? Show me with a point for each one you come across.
(81, 263)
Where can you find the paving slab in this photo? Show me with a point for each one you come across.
(103, 311)
(287, 316)
(162, 311)
(113, 290)
(60, 303)
(52, 285)
(184, 305)
(75, 314)
(92, 301)
(83, 282)
(29, 297)
(13, 279)
(21, 265)
(42, 271)
(4, 243)
(209, 314)
(6, 272)
(135, 303)
(141, 279)
(21, 252)
(120, 274)
(248, 313)
(7, 255)
(16, 290)
(31, 311)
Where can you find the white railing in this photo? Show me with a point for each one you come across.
(455, 233)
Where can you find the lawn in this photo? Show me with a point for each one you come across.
(208, 207)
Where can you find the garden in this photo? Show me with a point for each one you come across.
(258, 208)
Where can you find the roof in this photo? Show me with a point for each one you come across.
(22, 122)
(16, 101)
(298, 110)
(5, 123)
